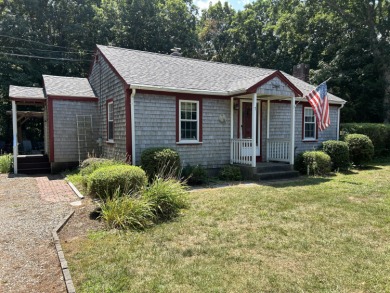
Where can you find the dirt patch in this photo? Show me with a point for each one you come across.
(82, 222)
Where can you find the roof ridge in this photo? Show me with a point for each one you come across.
(64, 76)
(188, 58)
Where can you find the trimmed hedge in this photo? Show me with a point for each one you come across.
(6, 162)
(378, 133)
(361, 148)
(164, 162)
(338, 152)
(105, 181)
(313, 163)
(89, 165)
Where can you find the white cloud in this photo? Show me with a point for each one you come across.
(204, 4)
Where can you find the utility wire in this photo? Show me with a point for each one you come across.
(20, 39)
(42, 50)
(48, 58)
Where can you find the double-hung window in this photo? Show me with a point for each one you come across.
(189, 121)
(309, 124)
(110, 121)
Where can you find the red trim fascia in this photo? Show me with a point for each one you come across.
(198, 99)
(182, 95)
(107, 102)
(129, 150)
(29, 100)
(307, 105)
(112, 67)
(51, 128)
(238, 119)
(261, 131)
(68, 98)
(280, 75)
(94, 58)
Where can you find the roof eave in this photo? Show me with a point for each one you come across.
(185, 91)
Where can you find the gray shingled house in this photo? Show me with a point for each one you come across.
(212, 113)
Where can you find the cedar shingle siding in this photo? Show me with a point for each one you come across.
(107, 85)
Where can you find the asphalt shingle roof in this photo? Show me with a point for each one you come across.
(67, 86)
(166, 71)
(33, 93)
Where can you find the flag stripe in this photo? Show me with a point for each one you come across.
(318, 100)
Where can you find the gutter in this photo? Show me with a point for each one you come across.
(338, 123)
(186, 91)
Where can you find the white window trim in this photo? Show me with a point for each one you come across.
(197, 122)
(108, 120)
(304, 126)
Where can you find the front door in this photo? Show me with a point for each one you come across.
(246, 124)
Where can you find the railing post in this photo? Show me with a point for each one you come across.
(292, 132)
(254, 128)
(268, 121)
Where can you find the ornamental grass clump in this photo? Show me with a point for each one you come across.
(104, 181)
(5, 163)
(167, 196)
(125, 212)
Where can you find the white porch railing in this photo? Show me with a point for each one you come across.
(241, 151)
(278, 150)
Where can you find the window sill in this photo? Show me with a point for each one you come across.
(310, 140)
(110, 142)
(189, 142)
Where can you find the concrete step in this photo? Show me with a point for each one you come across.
(270, 167)
(276, 175)
(23, 165)
(34, 171)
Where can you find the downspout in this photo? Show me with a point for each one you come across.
(338, 122)
(133, 92)
(15, 135)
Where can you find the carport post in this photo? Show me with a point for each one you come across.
(15, 134)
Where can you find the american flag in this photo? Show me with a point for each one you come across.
(318, 100)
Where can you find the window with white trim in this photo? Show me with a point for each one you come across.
(189, 121)
(309, 120)
(110, 121)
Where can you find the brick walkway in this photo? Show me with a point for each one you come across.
(53, 188)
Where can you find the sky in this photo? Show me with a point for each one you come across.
(237, 4)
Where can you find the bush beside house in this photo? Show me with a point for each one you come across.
(361, 149)
(338, 152)
(160, 161)
(313, 163)
(6, 163)
(378, 133)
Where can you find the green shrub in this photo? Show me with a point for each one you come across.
(377, 132)
(6, 163)
(361, 149)
(89, 165)
(230, 173)
(125, 212)
(299, 164)
(316, 163)
(167, 196)
(194, 175)
(164, 162)
(106, 180)
(338, 152)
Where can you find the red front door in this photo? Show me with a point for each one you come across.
(247, 125)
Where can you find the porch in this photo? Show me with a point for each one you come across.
(252, 138)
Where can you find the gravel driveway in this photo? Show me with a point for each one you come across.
(28, 262)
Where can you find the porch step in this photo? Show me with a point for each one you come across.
(34, 164)
(276, 175)
(274, 171)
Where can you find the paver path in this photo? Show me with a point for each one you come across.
(30, 207)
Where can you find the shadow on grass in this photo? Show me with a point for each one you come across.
(302, 181)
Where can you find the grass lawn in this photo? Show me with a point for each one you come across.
(314, 235)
